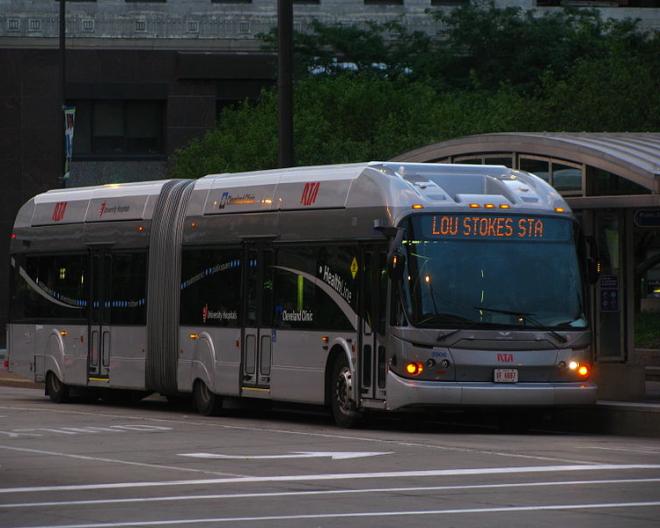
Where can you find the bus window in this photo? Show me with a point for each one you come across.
(301, 302)
(211, 287)
(49, 287)
(128, 289)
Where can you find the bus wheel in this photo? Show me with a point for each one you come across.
(57, 391)
(206, 402)
(342, 403)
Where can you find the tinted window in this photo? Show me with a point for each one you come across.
(316, 287)
(211, 287)
(128, 290)
(49, 287)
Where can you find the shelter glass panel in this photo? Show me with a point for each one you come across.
(566, 178)
(603, 183)
(540, 168)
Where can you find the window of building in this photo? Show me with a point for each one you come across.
(603, 183)
(145, 1)
(449, 2)
(231, 1)
(118, 129)
(598, 3)
(383, 2)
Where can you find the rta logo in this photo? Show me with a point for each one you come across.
(310, 192)
(505, 358)
(58, 211)
(102, 209)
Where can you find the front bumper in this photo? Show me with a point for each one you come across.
(403, 392)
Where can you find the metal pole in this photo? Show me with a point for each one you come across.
(62, 86)
(285, 81)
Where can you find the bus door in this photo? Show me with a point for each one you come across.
(98, 355)
(256, 352)
(373, 362)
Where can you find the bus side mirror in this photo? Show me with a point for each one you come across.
(396, 265)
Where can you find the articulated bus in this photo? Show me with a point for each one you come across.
(374, 286)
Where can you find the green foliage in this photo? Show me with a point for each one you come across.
(493, 70)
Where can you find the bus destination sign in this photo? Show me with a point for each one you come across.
(497, 227)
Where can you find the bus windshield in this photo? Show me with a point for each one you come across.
(492, 271)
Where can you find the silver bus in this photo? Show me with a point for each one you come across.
(384, 286)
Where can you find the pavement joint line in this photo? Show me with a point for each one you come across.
(176, 498)
(319, 435)
(338, 476)
(405, 513)
(117, 461)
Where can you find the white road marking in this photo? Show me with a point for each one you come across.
(36, 431)
(338, 476)
(649, 451)
(116, 461)
(214, 423)
(362, 515)
(336, 455)
(184, 498)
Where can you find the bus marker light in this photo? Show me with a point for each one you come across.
(505, 206)
(489, 206)
(193, 225)
(140, 229)
(325, 339)
(417, 206)
(474, 206)
(414, 369)
(560, 210)
(193, 336)
(13, 236)
(64, 333)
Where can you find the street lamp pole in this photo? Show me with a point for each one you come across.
(62, 87)
(285, 81)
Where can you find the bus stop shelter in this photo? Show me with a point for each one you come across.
(612, 183)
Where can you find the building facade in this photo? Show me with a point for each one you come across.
(148, 76)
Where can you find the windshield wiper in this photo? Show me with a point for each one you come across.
(443, 318)
(526, 316)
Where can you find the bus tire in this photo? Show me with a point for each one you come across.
(207, 403)
(57, 391)
(341, 394)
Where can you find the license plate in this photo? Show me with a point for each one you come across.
(506, 375)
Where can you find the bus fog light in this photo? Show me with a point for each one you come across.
(414, 369)
(430, 362)
(444, 363)
(573, 365)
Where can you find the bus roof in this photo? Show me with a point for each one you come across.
(390, 185)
